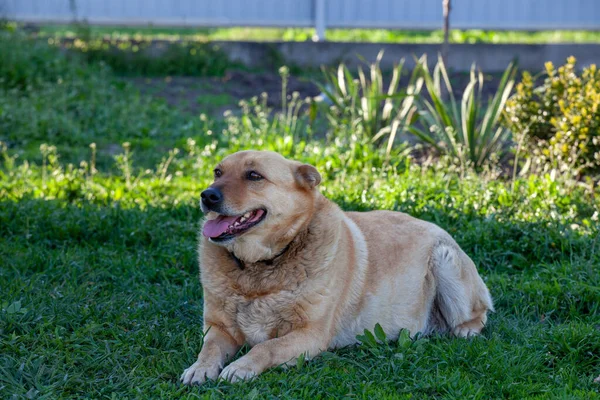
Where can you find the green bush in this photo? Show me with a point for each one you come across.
(560, 117)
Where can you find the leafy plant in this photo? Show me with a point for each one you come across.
(469, 130)
(560, 118)
(366, 106)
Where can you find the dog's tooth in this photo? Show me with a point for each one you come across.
(243, 219)
(236, 223)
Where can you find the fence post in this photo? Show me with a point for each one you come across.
(319, 20)
(73, 9)
(446, 10)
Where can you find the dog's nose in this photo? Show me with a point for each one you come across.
(211, 197)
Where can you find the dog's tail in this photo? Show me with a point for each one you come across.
(462, 299)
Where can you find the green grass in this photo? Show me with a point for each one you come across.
(49, 97)
(99, 275)
(343, 35)
(210, 103)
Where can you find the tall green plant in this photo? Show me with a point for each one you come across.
(468, 129)
(366, 105)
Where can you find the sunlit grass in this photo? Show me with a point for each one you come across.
(342, 35)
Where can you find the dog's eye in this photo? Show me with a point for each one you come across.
(218, 172)
(254, 176)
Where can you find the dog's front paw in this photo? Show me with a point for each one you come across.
(237, 371)
(199, 372)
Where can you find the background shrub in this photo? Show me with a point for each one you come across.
(561, 116)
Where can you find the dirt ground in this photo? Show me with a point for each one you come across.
(216, 94)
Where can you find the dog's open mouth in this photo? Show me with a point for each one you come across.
(225, 227)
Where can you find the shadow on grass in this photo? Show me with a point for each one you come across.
(100, 292)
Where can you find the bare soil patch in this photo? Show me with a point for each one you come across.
(214, 95)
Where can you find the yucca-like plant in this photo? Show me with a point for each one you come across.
(365, 104)
(469, 131)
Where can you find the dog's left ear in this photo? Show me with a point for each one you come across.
(308, 176)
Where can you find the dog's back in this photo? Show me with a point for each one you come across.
(417, 278)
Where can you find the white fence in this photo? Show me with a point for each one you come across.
(391, 14)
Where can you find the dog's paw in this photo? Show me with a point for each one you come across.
(464, 332)
(238, 371)
(468, 329)
(198, 373)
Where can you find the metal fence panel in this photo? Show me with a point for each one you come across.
(164, 12)
(392, 14)
(526, 14)
(399, 14)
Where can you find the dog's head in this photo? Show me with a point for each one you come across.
(258, 202)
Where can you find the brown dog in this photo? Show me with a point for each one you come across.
(286, 271)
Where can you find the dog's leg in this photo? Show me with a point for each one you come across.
(274, 352)
(462, 298)
(218, 346)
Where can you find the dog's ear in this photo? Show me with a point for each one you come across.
(307, 176)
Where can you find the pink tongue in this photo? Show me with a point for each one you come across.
(218, 226)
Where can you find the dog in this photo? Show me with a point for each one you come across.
(286, 271)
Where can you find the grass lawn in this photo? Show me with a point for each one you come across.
(100, 296)
(342, 35)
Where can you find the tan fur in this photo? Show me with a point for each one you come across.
(339, 273)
